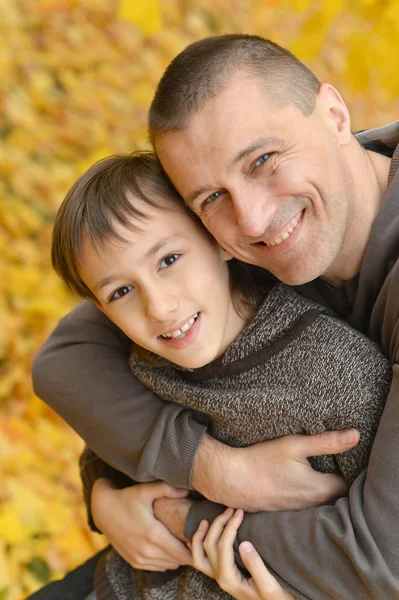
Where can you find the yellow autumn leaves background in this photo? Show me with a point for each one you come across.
(76, 80)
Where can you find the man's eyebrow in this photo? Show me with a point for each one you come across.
(251, 148)
(236, 159)
(147, 255)
(194, 195)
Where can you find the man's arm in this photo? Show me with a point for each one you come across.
(82, 372)
(346, 551)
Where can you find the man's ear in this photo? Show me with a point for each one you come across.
(336, 111)
(226, 256)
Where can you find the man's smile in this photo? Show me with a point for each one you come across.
(286, 234)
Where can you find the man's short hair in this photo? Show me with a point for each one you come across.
(202, 70)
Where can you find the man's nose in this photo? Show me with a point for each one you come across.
(160, 303)
(253, 213)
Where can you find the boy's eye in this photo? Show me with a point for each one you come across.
(167, 261)
(262, 159)
(120, 292)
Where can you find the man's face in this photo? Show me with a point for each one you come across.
(166, 286)
(270, 184)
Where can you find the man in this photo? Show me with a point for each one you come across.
(264, 155)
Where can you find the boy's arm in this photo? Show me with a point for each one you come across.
(92, 468)
(82, 372)
(122, 509)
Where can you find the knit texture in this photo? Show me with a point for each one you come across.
(294, 369)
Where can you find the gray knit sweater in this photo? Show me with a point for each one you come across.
(294, 369)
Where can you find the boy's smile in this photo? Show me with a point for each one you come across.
(165, 283)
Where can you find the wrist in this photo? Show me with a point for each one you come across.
(213, 459)
(100, 499)
(172, 512)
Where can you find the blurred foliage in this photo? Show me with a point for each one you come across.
(76, 79)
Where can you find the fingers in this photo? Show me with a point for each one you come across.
(329, 442)
(266, 586)
(149, 492)
(155, 553)
(199, 558)
(213, 537)
(155, 565)
(172, 548)
(333, 486)
(226, 545)
(204, 545)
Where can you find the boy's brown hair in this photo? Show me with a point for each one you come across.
(98, 202)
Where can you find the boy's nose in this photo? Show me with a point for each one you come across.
(160, 305)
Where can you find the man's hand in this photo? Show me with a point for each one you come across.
(126, 517)
(271, 475)
(172, 512)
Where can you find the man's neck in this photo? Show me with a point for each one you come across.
(381, 165)
(370, 177)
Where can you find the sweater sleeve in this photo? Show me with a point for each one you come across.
(93, 468)
(346, 551)
(82, 372)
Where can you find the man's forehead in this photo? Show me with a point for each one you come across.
(186, 156)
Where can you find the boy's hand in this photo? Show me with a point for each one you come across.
(272, 475)
(127, 518)
(213, 554)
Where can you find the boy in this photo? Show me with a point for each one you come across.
(257, 364)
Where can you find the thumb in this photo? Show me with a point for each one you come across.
(262, 580)
(328, 442)
(160, 489)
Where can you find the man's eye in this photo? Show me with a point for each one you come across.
(167, 261)
(120, 292)
(211, 199)
(261, 160)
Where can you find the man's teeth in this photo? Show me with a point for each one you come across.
(182, 331)
(284, 235)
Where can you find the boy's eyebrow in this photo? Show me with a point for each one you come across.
(149, 254)
(159, 245)
(104, 282)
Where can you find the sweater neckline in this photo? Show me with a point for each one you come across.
(219, 369)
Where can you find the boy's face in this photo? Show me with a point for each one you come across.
(166, 287)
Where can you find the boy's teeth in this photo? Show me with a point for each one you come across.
(179, 332)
